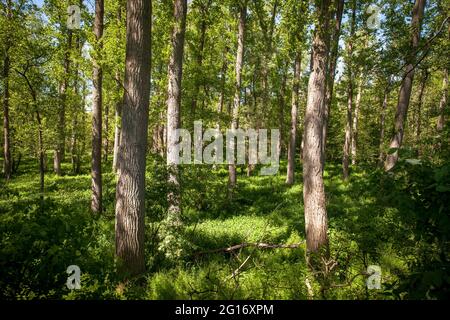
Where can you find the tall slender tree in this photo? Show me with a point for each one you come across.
(96, 169)
(237, 85)
(173, 110)
(406, 86)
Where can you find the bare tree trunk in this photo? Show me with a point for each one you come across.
(173, 111)
(405, 89)
(130, 193)
(117, 129)
(382, 124)
(294, 111)
(96, 170)
(348, 125)
(339, 4)
(237, 89)
(59, 152)
(106, 143)
(348, 130)
(418, 122)
(355, 120)
(443, 102)
(7, 164)
(316, 221)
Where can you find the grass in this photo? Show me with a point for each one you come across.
(365, 227)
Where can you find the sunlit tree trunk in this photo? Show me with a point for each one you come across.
(418, 122)
(130, 193)
(382, 125)
(405, 89)
(7, 163)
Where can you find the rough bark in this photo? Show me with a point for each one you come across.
(117, 129)
(237, 88)
(130, 193)
(405, 89)
(173, 110)
(293, 129)
(316, 221)
(96, 166)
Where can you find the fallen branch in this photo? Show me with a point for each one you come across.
(260, 245)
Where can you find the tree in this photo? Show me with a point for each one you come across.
(130, 193)
(96, 169)
(173, 111)
(443, 102)
(406, 86)
(316, 221)
(237, 87)
(293, 130)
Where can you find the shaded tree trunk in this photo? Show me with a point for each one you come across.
(443, 102)
(339, 4)
(117, 129)
(316, 221)
(173, 111)
(130, 192)
(293, 130)
(418, 122)
(405, 89)
(382, 124)
(237, 89)
(96, 168)
(355, 121)
(59, 152)
(7, 163)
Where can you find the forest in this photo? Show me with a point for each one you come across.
(225, 150)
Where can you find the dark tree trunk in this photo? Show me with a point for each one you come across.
(130, 193)
(96, 168)
(7, 164)
(443, 102)
(405, 89)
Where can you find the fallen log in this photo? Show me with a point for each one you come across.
(259, 245)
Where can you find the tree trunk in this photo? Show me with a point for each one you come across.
(59, 152)
(117, 130)
(355, 121)
(418, 122)
(405, 89)
(382, 124)
(332, 68)
(316, 221)
(7, 164)
(237, 90)
(96, 169)
(294, 111)
(443, 102)
(130, 193)
(173, 111)
(348, 125)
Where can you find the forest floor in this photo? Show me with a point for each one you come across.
(369, 224)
